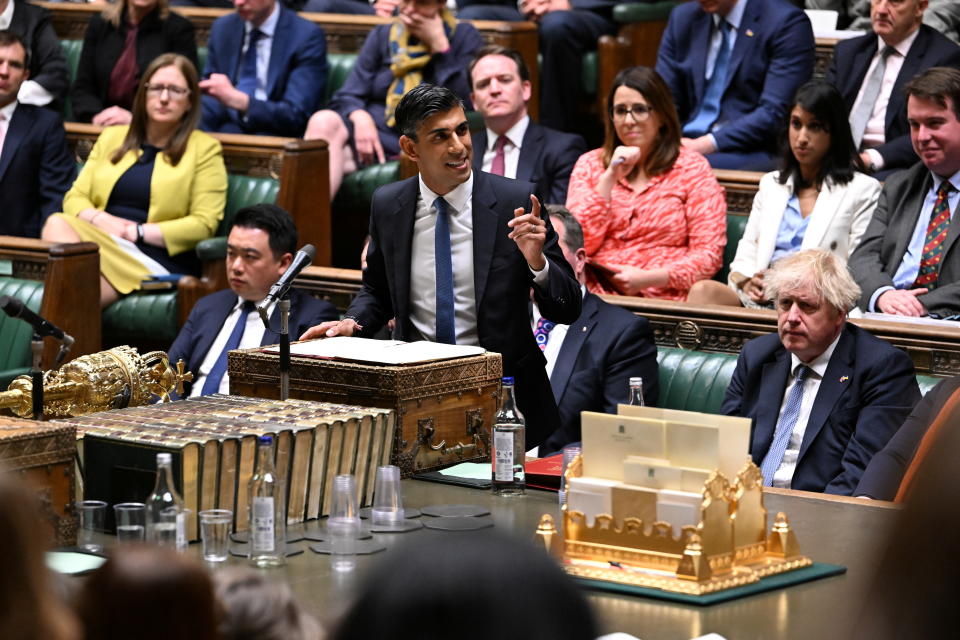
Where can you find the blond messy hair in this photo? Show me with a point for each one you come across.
(815, 269)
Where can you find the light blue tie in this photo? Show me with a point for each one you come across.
(710, 105)
(788, 420)
(444, 266)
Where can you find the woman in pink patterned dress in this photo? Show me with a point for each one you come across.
(653, 214)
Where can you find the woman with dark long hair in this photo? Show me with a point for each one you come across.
(818, 199)
(151, 190)
(652, 212)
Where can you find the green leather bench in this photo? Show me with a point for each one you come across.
(698, 380)
(15, 355)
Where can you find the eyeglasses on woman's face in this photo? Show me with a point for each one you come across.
(175, 92)
(640, 112)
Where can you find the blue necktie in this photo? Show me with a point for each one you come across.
(788, 420)
(248, 68)
(212, 382)
(444, 265)
(710, 106)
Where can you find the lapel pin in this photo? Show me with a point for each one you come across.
(844, 378)
(749, 33)
(583, 329)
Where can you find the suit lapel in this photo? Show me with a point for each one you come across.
(767, 243)
(746, 36)
(701, 35)
(858, 70)
(278, 50)
(233, 46)
(20, 125)
(530, 148)
(836, 380)
(572, 343)
(479, 148)
(212, 326)
(400, 227)
(821, 218)
(772, 386)
(953, 231)
(907, 220)
(484, 231)
(912, 64)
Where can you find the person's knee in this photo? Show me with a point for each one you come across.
(327, 125)
(55, 228)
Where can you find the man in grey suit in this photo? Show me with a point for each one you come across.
(906, 263)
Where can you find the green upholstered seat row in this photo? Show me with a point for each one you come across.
(15, 355)
(735, 227)
(697, 380)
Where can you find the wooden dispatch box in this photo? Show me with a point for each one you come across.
(444, 409)
(43, 455)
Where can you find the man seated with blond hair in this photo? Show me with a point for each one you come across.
(824, 395)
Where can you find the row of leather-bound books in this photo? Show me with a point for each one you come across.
(213, 443)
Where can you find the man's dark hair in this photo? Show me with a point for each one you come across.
(8, 38)
(275, 221)
(937, 84)
(572, 231)
(497, 50)
(422, 102)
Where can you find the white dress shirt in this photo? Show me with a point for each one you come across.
(875, 133)
(5, 114)
(264, 45)
(252, 337)
(511, 150)
(818, 367)
(30, 91)
(555, 337)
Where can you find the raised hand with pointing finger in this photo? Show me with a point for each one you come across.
(529, 231)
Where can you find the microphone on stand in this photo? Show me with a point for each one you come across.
(301, 261)
(42, 327)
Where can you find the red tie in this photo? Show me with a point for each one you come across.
(936, 234)
(497, 167)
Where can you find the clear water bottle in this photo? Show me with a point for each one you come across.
(636, 391)
(509, 445)
(166, 517)
(268, 518)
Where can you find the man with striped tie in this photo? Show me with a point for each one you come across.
(824, 396)
(907, 263)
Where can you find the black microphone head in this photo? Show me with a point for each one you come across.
(310, 250)
(11, 306)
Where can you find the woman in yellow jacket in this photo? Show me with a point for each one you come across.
(151, 190)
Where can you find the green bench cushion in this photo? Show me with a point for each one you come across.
(339, 66)
(15, 355)
(735, 227)
(643, 12)
(694, 380)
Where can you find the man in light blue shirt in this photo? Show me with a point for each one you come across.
(906, 263)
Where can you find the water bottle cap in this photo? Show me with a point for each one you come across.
(508, 380)
(268, 439)
(635, 380)
(164, 458)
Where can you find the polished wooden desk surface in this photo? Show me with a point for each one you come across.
(839, 531)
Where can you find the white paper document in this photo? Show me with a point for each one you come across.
(391, 352)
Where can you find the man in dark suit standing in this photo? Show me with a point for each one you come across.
(733, 67)
(36, 167)
(907, 262)
(266, 71)
(872, 70)
(49, 74)
(511, 144)
(824, 395)
(452, 256)
(260, 248)
(591, 361)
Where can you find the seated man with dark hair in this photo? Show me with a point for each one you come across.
(907, 263)
(590, 361)
(824, 395)
(260, 248)
(511, 144)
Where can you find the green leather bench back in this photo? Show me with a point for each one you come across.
(338, 68)
(735, 227)
(71, 49)
(15, 356)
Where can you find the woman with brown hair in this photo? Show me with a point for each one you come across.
(151, 190)
(119, 43)
(30, 610)
(653, 214)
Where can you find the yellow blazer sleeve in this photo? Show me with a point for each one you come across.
(208, 196)
(88, 189)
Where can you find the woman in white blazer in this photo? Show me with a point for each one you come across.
(818, 199)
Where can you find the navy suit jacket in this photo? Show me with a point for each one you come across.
(885, 472)
(849, 66)
(208, 315)
(36, 169)
(502, 282)
(868, 389)
(602, 350)
(546, 159)
(773, 55)
(295, 80)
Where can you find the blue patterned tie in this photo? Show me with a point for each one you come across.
(444, 266)
(788, 420)
(212, 382)
(710, 106)
(248, 68)
(542, 333)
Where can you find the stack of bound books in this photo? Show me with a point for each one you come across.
(213, 443)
